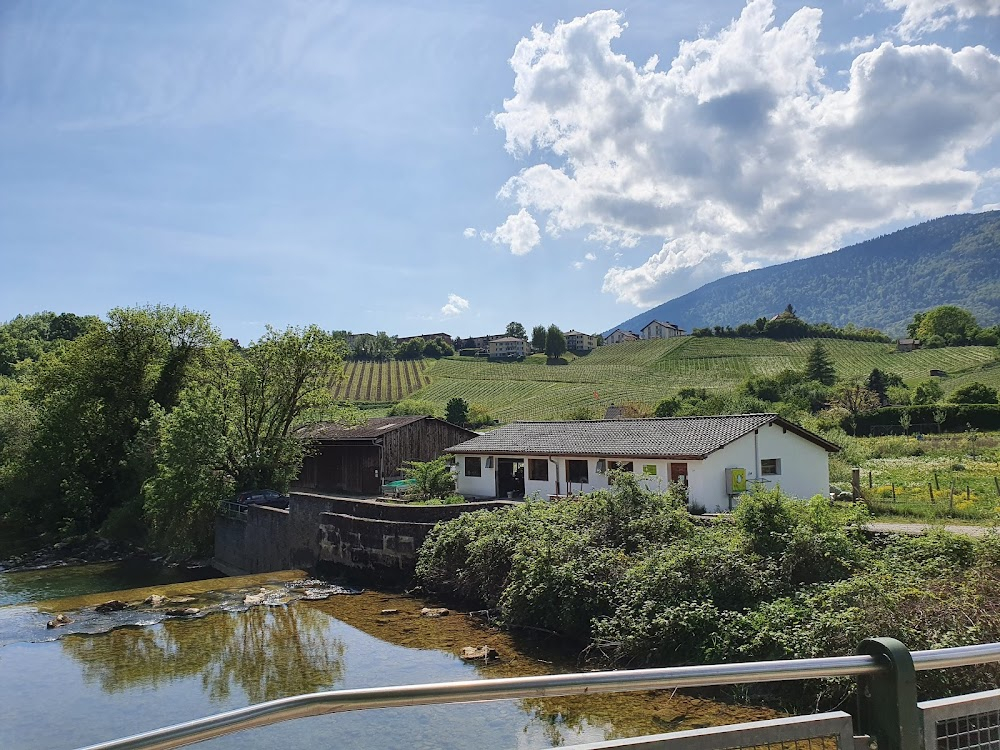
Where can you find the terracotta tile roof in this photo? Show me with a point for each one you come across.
(677, 437)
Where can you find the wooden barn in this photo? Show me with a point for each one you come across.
(358, 460)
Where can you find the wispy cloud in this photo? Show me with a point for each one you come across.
(469, 233)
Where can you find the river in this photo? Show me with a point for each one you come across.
(256, 638)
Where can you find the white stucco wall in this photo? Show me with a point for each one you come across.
(804, 470)
(805, 467)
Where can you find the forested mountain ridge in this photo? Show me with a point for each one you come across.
(878, 283)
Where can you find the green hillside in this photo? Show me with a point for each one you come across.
(648, 371)
(878, 283)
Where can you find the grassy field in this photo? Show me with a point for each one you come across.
(949, 476)
(648, 371)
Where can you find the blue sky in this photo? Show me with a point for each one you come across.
(415, 167)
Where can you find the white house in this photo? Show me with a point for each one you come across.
(508, 346)
(656, 329)
(619, 336)
(580, 342)
(717, 457)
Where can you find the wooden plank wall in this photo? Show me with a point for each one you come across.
(419, 441)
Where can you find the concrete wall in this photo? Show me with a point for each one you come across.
(320, 528)
(256, 542)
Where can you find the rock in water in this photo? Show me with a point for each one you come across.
(183, 612)
(58, 622)
(479, 653)
(390, 611)
(434, 612)
(115, 605)
(155, 600)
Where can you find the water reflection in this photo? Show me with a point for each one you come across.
(266, 653)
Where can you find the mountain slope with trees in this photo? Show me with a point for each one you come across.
(879, 283)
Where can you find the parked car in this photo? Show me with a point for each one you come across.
(267, 498)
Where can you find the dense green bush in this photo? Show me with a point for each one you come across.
(628, 571)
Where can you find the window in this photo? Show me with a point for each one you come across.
(770, 466)
(577, 472)
(649, 470)
(679, 473)
(473, 466)
(620, 465)
(538, 469)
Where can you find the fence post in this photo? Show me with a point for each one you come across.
(888, 700)
(856, 483)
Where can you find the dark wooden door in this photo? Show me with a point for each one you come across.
(679, 473)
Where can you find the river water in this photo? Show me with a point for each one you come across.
(256, 638)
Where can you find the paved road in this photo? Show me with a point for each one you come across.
(920, 528)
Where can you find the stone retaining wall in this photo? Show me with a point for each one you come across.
(351, 532)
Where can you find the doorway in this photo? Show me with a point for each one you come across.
(678, 474)
(510, 477)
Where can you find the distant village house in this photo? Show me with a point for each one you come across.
(507, 347)
(619, 336)
(656, 329)
(580, 342)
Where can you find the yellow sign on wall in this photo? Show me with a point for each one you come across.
(736, 481)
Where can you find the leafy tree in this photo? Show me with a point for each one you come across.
(898, 395)
(952, 323)
(479, 416)
(456, 411)
(784, 327)
(516, 330)
(974, 393)
(538, 338)
(877, 385)
(819, 365)
(413, 407)
(438, 348)
(431, 478)
(928, 392)
(412, 349)
(668, 407)
(855, 398)
(940, 415)
(234, 429)
(555, 342)
(91, 396)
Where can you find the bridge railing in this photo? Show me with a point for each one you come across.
(888, 716)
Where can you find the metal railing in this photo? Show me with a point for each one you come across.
(885, 667)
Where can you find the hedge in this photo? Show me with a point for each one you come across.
(958, 417)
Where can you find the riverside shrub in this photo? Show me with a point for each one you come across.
(627, 570)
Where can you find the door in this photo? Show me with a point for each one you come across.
(510, 477)
(679, 473)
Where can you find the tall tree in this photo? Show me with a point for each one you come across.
(91, 397)
(456, 411)
(952, 323)
(516, 330)
(819, 366)
(877, 384)
(233, 429)
(555, 342)
(538, 338)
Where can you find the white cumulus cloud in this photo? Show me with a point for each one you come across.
(455, 306)
(738, 152)
(922, 16)
(520, 232)
(590, 256)
(469, 232)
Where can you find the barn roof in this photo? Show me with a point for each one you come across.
(370, 430)
(676, 437)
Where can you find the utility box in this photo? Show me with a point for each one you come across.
(736, 481)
